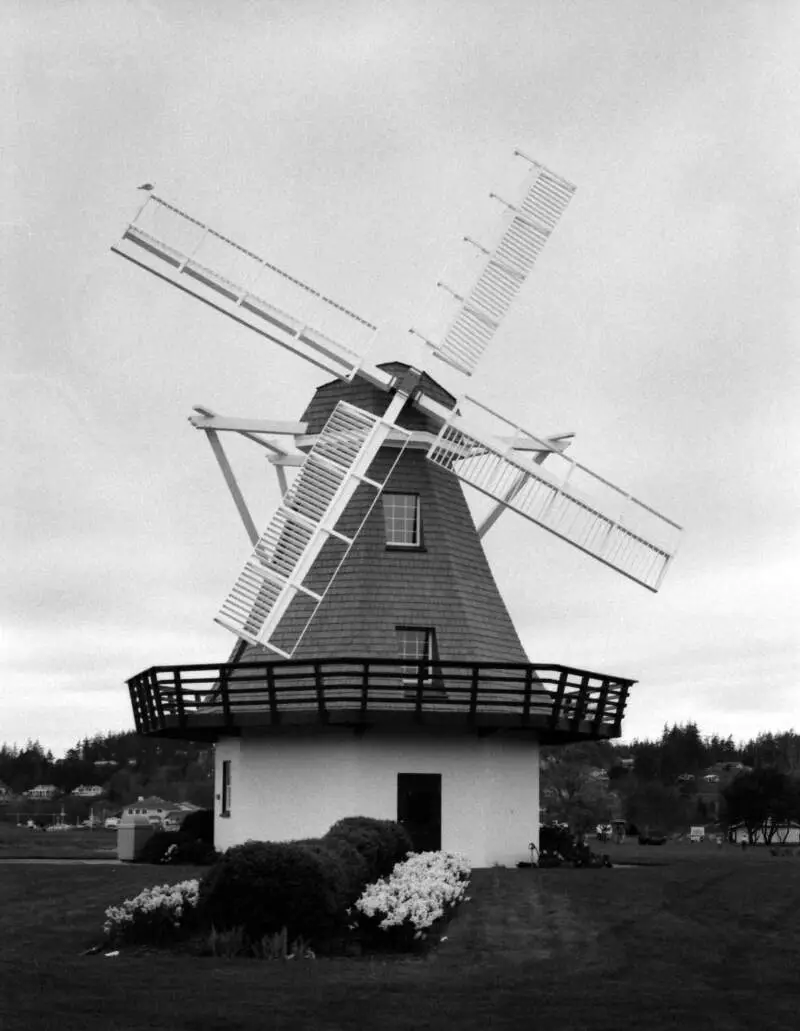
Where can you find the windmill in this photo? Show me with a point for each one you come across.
(377, 426)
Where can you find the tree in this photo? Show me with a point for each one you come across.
(763, 799)
(647, 760)
(656, 806)
(575, 797)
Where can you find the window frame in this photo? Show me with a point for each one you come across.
(429, 652)
(400, 545)
(225, 788)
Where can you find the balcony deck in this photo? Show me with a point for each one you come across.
(557, 704)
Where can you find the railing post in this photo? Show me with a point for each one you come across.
(526, 701)
(473, 694)
(158, 704)
(274, 712)
(621, 703)
(364, 690)
(558, 701)
(580, 708)
(420, 682)
(134, 692)
(226, 698)
(323, 714)
(600, 711)
(176, 674)
(152, 692)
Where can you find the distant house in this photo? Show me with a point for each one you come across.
(43, 792)
(788, 834)
(88, 791)
(154, 808)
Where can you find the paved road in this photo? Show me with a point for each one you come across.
(86, 862)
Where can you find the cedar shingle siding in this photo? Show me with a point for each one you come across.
(447, 584)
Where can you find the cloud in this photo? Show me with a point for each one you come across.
(354, 145)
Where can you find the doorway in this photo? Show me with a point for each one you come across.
(419, 809)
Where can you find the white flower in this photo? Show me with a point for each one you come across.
(169, 902)
(418, 891)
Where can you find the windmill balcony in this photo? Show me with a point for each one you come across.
(555, 704)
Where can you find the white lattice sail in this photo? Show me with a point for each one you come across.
(565, 498)
(277, 569)
(528, 226)
(200, 261)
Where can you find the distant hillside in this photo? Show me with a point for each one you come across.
(124, 765)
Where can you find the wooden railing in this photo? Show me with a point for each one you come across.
(196, 701)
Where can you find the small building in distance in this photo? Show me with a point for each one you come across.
(43, 792)
(154, 808)
(787, 834)
(88, 791)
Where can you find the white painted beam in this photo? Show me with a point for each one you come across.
(233, 486)
(270, 445)
(226, 422)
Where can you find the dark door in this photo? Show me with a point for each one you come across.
(419, 809)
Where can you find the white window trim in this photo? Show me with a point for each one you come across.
(417, 542)
(428, 656)
(225, 788)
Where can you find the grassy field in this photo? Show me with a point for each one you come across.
(75, 843)
(705, 939)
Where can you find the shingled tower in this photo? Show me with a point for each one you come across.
(416, 582)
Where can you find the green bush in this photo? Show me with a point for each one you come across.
(355, 868)
(200, 825)
(381, 843)
(176, 847)
(265, 886)
(343, 861)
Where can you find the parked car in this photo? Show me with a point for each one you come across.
(652, 839)
(111, 823)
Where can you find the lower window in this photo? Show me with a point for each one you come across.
(417, 644)
(225, 794)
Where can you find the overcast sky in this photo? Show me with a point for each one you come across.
(354, 144)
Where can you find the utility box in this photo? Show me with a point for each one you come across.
(132, 832)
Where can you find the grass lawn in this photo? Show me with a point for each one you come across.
(75, 843)
(707, 939)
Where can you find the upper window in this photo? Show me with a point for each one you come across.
(416, 644)
(401, 518)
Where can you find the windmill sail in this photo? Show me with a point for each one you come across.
(304, 522)
(567, 499)
(200, 261)
(528, 226)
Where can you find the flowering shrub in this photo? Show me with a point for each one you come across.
(155, 914)
(418, 893)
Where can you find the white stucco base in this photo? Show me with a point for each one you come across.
(296, 784)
